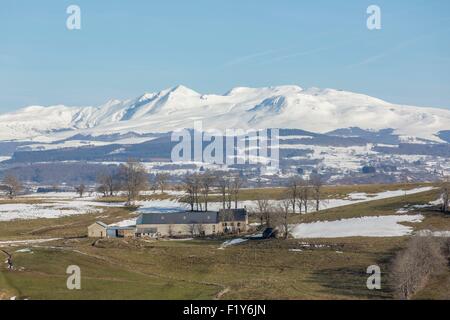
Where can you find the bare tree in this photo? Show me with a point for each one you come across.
(263, 207)
(192, 185)
(236, 184)
(316, 187)
(134, 177)
(283, 215)
(189, 188)
(109, 183)
(80, 189)
(229, 193)
(413, 266)
(161, 181)
(196, 182)
(294, 189)
(152, 184)
(223, 183)
(12, 186)
(103, 190)
(206, 181)
(445, 193)
(305, 195)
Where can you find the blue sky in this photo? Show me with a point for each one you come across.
(126, 48)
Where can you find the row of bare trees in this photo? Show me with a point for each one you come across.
(199, 186)
(302, 193)
(131, 178)
(274, 215)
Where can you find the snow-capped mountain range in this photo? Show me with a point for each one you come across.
(289, 107)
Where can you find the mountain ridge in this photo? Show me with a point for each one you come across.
(290, 106)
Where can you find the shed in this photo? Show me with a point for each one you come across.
(121, 232)
(97, 230)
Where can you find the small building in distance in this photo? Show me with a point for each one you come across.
(102, 230)
(192, 223)
(97, 230)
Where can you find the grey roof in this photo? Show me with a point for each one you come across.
(121, 228)
(104, 225)
(185, 217)
(233, 215)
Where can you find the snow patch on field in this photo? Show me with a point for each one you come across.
(160, 206)
(22, 242)
(439, 234)
(232, 242)
(382, 226)
(51, 210)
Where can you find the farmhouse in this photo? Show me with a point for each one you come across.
(192, 223)
(183, 223)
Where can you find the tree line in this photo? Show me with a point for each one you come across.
(131, 178)
(199, 186)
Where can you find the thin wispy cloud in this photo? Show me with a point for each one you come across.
(271, 56)
(380, 55)
(249, 57)
(263, 57)
(280, 54)
(388, 52)
(296, 54)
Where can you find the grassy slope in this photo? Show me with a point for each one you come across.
(335, 192)
(44, 277)
(371, 208)
(255, 270)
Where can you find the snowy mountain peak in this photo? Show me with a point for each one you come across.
(183, 91)
(146, 97)
(290, 107)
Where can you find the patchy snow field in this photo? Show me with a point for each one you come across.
(63, 204)
(383, 226)
(52, 209)
(353, 198)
